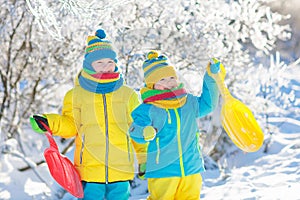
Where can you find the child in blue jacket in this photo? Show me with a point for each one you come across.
(167, 120)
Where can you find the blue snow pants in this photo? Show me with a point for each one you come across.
(111, 191)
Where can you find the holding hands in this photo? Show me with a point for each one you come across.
(142, 171)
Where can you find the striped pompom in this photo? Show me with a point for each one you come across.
(152, 55)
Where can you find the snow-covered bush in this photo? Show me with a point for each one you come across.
(43, 45)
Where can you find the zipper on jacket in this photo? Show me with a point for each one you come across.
(198, 142)
(128, 147)
(158, 150)
(169, 116)
(82, 147)
(106, 138)
(179, 142)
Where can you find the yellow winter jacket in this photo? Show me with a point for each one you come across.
(100, 123)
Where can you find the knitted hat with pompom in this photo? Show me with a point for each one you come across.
(156, 68)
(98, 48)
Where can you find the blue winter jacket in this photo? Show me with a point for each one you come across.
(175, 151)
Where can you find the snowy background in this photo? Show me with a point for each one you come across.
(258, 41)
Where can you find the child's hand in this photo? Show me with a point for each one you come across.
(215, 68)
(142, 171)
(36, 125)
(149, 133)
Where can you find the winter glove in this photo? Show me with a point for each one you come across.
(142, 171)
(149, 133)
(214, 67)
(37, 126)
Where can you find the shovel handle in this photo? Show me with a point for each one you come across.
(49, 135)
(222, 87)
(45, 126)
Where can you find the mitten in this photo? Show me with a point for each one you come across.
(214, 67)
(37, 126)
(142, 171)
(149, 133)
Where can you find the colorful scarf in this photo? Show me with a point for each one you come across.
(100, 83)
(173, 98)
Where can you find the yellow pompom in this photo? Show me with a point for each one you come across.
(152, 55)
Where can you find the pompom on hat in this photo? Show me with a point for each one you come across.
(156, 68)
(98, 48)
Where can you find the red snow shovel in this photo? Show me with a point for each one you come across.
(61, 168)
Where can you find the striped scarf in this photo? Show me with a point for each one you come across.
(173, 98)
(100, 83)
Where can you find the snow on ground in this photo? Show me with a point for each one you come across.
(272, 176)
(249, 176)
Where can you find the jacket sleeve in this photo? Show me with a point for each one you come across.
(134, 102)
(209, 98)
(140, 149)
(141, 119)
(64, 125)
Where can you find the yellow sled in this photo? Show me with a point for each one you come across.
(237, 119)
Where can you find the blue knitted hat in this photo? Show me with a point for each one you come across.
(98, 48)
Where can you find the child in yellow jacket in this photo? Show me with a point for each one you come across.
(97, 112)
